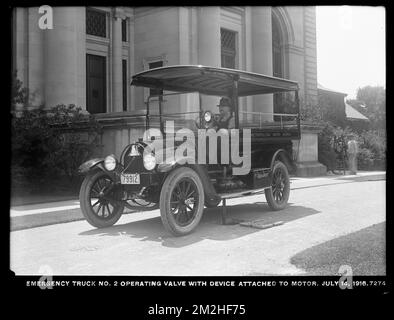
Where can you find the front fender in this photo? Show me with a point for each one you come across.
(90, 164)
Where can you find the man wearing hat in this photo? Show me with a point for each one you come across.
(226, 119)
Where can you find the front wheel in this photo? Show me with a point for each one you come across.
(181, 201)
(98, 200)
(278, 195)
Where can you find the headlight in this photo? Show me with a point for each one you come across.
(110, 163)
(149, 161)
(207, 116)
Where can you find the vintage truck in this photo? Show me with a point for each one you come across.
(181, 186)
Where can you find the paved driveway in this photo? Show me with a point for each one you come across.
(139, 245)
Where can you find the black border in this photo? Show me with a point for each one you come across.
(142, 297)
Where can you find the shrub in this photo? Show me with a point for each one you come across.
(365, 159)
(376, 144)
(374, 141)
(78, 135)
(328, 158)
(32, 142)
(50, 144)
(326, 153)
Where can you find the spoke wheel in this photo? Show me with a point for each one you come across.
(181, 201)
(98, 200)
(278, 195)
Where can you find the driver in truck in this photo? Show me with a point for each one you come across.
(226, 119)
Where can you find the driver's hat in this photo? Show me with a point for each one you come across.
(225, 102)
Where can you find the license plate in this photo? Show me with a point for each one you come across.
(130, 178)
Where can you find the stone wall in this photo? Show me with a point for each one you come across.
(306, 151)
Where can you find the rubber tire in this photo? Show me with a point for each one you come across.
(84, 200)
(166, 217)
(269, 194)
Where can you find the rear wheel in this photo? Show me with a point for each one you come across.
(181, 201)
(98, 201)
(278, 195)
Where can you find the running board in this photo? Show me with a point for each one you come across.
(225, 196)
(241, 193)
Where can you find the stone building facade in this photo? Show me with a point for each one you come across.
(89, 56)
(101, 48)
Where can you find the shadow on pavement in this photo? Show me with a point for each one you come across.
(337, 180)
(364, 251)
(357, 178)
(210, 226)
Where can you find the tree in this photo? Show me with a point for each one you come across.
(374, 99)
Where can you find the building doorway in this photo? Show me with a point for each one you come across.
(96, 84)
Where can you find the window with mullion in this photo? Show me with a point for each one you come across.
(228, 48)
(96, 23)
(124, 84)
(124, 30)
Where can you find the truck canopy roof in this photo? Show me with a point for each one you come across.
(210, 80)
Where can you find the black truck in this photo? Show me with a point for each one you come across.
(184, 182)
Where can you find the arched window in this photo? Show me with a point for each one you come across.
(277, 61)
(277, 49)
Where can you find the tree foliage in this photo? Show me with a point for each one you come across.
(371, 142)
(371, 102)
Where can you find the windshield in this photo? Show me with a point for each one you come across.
(183, 109)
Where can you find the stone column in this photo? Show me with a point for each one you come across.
(209, 36)
(34, 44)
(117, 60)
(64, 58)
(132, 100)
(209, 46)
(262, 55)
(248, 59)
(20, 45)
